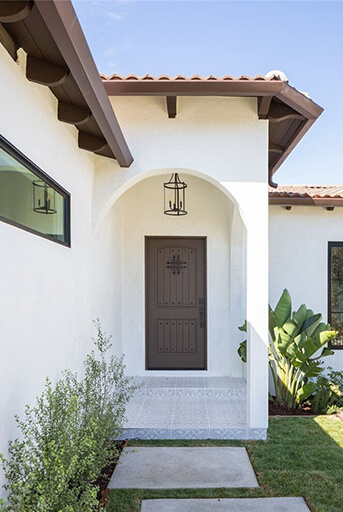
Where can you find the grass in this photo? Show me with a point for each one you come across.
(303, 457)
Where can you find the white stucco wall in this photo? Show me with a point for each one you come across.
(221, 138)
(46, 289)
(298, 260)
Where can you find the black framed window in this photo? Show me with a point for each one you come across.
(335, 302)
(30, 199)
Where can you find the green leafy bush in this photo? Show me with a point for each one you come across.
(67, 437)
(295, 340)
(336, 378)
(327, 397)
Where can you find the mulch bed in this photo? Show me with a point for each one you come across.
(106, 474)
(278, 410)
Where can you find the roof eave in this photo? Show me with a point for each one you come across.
(306, 201)
(298, 103)
(55, 44)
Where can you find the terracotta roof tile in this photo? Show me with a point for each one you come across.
(313, 191)
(132, 76)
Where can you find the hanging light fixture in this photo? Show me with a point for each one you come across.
(175, 196)
(43, 198)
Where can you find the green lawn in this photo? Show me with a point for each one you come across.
(303, 457)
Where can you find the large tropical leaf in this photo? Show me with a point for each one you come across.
(299, 316)
(291, 328)
(273, 323)
(310, 346)
(283, 309)
(311, 368)
(283, 341)
(327, 351)
(322, 327)
(305, 391)
(311, 323)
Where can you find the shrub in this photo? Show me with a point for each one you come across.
(336, 378)
(328, 396)
(67, 437)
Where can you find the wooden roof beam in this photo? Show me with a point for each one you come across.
(274, 148)
(7, 41)
(45, 73)
(303, 128)
(172, 106)
(62, 23)
(280, 112)
(68, 113)
(12, 11)
(264, 106)
(90, 142)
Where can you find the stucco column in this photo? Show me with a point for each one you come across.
(256, 218)
(252, 201)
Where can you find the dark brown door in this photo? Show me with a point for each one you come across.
(176, 303)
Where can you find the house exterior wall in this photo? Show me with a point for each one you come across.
(298, 257)
(46, 311)
(52, 292)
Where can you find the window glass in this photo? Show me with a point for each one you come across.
(30, 199)
(336, 291)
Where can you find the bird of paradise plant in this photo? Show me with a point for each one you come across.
(297, 345)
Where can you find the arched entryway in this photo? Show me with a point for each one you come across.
(221, 215)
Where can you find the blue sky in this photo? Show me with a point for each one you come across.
(302, 38)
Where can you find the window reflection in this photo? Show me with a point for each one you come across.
(29, 199)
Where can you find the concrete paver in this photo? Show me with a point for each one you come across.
(227, 505)
(183, 468)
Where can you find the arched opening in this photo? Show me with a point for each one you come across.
(136, 215)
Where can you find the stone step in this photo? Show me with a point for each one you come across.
(190, 387)
(229, 433)
(227, 505)
(183, 468)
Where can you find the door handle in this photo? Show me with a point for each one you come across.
(202, 313)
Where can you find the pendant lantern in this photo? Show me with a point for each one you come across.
(175, 196)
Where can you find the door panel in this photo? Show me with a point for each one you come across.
(176, 303)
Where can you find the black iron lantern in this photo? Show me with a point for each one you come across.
(43, 198)
(175, 196)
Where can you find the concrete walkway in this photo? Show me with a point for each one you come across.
(195, 468)
(227, 505)
(183, 468)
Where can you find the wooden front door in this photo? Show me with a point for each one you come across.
(176, 303)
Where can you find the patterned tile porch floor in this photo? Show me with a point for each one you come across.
(189, 407)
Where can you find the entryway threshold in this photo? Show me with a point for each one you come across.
(189, 408)
(233, 434)
(227, 505)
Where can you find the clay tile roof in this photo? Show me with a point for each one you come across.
(132, 76)
(307, 191)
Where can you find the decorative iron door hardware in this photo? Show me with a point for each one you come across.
(176, 265)
(202, 313)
